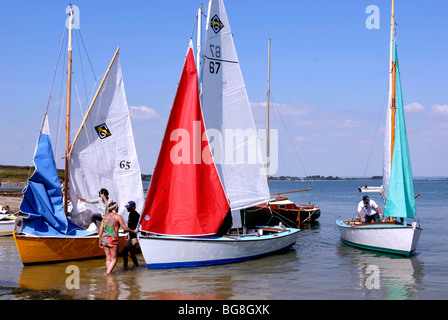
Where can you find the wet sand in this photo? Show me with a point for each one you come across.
(11, 197)
(11, 200)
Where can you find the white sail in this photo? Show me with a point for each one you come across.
(228, 118)
(387, 161)
(104, 154)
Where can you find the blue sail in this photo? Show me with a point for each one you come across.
(400, 202)
(42, 197)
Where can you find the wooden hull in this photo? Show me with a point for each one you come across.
(385, 237)
(39, 250)
(178, 251)
(282, 210)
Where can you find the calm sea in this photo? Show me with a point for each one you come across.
(319, 266)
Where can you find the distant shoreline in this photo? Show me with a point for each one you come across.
(11, 175)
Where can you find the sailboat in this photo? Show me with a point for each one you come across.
(7, 222)
(393, 234)
(102, 155)
(281, 209)
(195, 197)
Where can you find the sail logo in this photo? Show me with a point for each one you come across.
(103, 131)
(216, 24)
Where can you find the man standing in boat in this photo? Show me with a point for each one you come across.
(371, 209)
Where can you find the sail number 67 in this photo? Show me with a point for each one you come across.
(214, 66)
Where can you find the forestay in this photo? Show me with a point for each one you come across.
(104, 154)
(228, 118)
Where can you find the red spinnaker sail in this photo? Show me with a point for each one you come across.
(186, 196)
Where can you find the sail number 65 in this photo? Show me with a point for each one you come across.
(125, 164)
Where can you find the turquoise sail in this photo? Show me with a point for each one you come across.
(400, 202)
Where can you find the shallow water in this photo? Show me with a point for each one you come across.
(319, 266)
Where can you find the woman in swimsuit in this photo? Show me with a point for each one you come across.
(108, 235)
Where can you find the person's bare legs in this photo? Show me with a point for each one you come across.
(111, 258)
(108, 257)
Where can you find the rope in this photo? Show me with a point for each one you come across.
(88, 58)
(376, 131)
(289, 136)
(55, 70)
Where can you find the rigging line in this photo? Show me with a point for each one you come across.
(61, 98)
(194, 26)
(87, 54)
(287, 132)
(55, 69)
(82, 67)
(376, 130)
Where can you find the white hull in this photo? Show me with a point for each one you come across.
(370, 189)
(6, 227)
(177, 251)
(385, 237)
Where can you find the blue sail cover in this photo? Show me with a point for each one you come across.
(42, 197)
(400, 202)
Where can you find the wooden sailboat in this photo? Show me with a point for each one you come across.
(45, 234)
(188, 212)
(281, 209)
(394, 234)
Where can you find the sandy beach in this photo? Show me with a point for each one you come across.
(11, 197)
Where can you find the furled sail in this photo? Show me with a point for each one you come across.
(400, 200)
(186, 196)
(42, 196)
(103, 154)
(234, 141)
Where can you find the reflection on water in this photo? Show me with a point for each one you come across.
(383, 275)
(246, 280)
(319, 266)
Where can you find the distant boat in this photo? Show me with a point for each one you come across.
(7, 221)
(394, 234)
(187, 215)
(370, 189)
(102, 155)
(280, 210)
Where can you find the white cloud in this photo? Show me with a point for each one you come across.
(296, 109)
(438, 109)
(414, 107)
(318, 150)
(348, 124)
(142, 113)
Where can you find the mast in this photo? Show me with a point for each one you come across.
(198, 41)
(67, 118)
(268, 96)
(393, 76)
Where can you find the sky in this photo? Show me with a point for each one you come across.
(329, 75)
